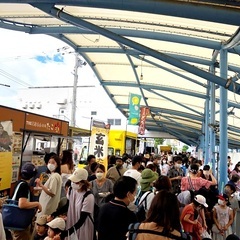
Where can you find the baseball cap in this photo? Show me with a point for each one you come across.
(28, 170)
(42, 220)
(57, 223)
(201, 200)
(78, 175)
(223, 197)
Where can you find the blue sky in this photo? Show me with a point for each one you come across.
(42, 61)
(31, 60)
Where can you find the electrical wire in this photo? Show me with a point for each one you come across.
(13, 78)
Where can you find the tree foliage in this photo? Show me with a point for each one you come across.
(158, 141)
(185, 148)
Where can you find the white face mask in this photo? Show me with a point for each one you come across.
(164, 161)
(220, 202)
(51, 167)
(99, 175)
(75, 186)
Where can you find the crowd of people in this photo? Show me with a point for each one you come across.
(163, 197)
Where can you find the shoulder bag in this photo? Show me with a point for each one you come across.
(16, 218)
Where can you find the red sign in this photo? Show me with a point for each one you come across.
(144, 111)
(43, 124)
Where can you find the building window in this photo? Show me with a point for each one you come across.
(93, 113)
(111, 121)
(118, 122)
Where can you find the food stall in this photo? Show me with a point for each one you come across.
(31, 136)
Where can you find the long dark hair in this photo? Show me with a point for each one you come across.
(236, 167)
(164, 211)
(67, 159)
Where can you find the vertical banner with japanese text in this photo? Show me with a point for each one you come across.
(5, 154)
(99, 142)
(134, 108)
(143, 116)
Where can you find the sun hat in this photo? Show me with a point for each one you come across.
(57, 223)
(78, 175)
(201, 200)
(41, 220)
(148, 176)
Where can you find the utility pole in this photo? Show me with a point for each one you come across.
(78, 63)
(74, 97)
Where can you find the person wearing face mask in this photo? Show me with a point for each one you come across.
(115, 172)
(223, 218)
(212, 192)
(114, 217)
(80, 209)
(191, 215)
(51, 190)
(229, 190)
(175, 174)
(165, 166)
(101, 186)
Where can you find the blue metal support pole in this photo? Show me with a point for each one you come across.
(223, 146)
(206, 145)
(212, 122)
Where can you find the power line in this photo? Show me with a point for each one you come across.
(13, 78)
(86, 86)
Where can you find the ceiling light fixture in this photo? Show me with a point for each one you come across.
(141, 75)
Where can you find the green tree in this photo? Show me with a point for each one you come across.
(185, 148)
(158, 141)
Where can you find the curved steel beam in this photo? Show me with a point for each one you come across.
(145, 50)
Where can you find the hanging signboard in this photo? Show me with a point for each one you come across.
(134, 108)
(99, 142)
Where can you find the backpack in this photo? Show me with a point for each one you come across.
(134, 231)
(141, 213)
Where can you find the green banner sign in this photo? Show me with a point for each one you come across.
(134, 109)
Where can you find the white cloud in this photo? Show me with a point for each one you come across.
(20, 69)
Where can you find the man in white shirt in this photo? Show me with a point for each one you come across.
(133, 172)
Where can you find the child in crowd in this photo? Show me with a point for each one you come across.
(41, 228)
(223, 218)
(56, 226)
(193, 217)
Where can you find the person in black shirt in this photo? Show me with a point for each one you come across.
(28, 171)
(114, 217)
